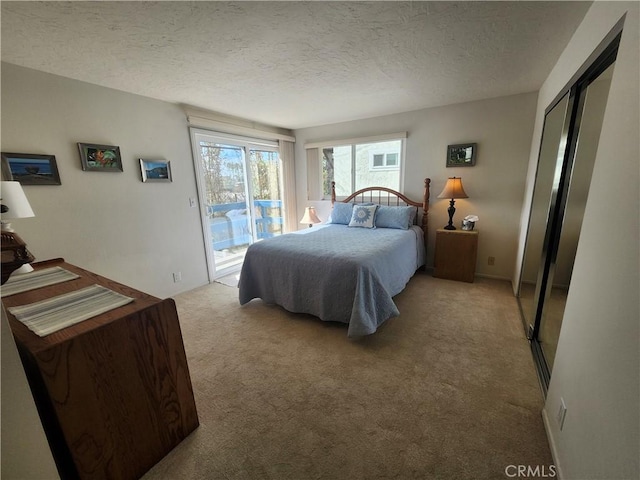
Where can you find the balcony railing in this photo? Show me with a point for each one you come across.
(231, 225)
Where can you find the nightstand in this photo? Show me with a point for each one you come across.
(456, 254)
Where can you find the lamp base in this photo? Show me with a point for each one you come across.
(451, 210)
(26, 268)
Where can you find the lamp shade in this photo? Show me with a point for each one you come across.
(453, 189)
(310, 216)
(13, 197)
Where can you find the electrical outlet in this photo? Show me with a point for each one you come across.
(491, 261)
(192, 202)
(177, 277)
(562, 413)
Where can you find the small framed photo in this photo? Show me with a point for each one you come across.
(30, 169)
(100, 158)
(155, 170)
(463, 155)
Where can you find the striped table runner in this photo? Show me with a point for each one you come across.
(37, 279)
(56, 313)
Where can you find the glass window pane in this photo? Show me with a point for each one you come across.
(336, 166)
(383, 176)
(374, 164)
(267, 194)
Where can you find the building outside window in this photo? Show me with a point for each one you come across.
(361, 165)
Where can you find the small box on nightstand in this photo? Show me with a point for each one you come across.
(456, 254)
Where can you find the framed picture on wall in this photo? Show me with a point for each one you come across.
(155, 170)
(30, 169)
(462, 155)
(100, 158)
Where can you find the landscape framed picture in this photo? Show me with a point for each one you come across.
(30, 169)
(155, 170)
(100, 158)
(462, 155)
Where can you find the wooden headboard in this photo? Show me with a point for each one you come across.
(386, 196)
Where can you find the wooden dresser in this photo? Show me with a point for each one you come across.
(113, 392)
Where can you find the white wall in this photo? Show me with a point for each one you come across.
(502, 127)
(597, 365)
(110, 223)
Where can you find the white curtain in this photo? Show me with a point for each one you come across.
(289, 185)
(314, 180)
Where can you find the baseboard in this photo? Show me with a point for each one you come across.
(552, 444)
(492, 277)
(430, 270)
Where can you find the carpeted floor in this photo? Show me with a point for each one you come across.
(447, 390)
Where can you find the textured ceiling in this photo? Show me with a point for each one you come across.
(296, 64)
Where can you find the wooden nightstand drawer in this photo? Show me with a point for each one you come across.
(455, 255)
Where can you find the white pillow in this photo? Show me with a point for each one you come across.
(363, 216)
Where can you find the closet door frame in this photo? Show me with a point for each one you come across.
(597, 63)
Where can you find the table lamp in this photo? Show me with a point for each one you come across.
(453, 189)
(310, 216)
(14, 205)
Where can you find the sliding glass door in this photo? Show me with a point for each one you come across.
(240, 192)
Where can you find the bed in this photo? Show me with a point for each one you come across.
(344, 271)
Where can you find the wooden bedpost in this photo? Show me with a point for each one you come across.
(333, 193)
(425, 210)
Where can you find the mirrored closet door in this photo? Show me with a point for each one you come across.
(567, 154)
(553, 141)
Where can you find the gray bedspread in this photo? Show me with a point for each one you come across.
(334, 272)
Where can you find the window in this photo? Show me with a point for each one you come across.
(240, 187)
(358, 163)
(384, 160)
